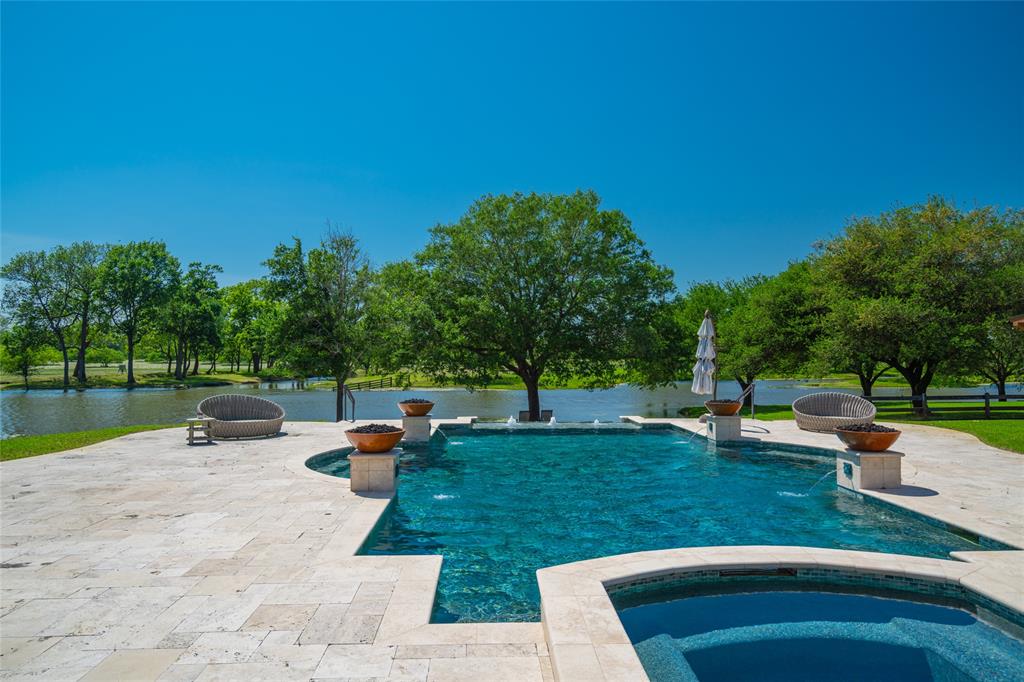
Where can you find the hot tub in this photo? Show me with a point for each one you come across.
(757, 632)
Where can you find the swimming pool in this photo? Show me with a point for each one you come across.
(501, 504)
(813, 635)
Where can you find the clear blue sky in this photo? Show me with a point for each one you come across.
(733, 135)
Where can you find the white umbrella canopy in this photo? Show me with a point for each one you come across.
(704, 371)
(703, 378)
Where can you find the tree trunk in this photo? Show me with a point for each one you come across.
(179, 359)
(83, 343)
(919, 376)
(866, 384)
(170, 359)
(213, 365)
(1001, 385)
(64, 351)
(195, 365)
(532, 382)
(131, 361)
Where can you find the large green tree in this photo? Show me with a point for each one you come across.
(773, 326)
(80, 263)
(998, 353)
(39, 291)
(191, 316)
(21, 347)
(911, 287)
(534, 284)
(328, 295)
(136, 280)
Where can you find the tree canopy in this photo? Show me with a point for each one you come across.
(536, 283)
(328, 295)
(912, 287)
(136, 279)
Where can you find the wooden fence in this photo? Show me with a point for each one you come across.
(393, 381)
(986, 398)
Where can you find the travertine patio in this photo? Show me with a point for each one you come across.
(142, 558)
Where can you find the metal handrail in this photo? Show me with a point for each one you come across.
(748, 391)
(346, 392)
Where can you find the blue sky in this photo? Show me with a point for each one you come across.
(733, 135)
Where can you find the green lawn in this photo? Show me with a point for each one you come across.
(146, 374)
(1005, 430)
(30, 446)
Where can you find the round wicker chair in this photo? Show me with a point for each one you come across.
(241, 416)
(825, 412)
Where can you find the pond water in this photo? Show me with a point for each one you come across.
(53, 411)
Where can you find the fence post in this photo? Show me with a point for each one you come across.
(988, 408)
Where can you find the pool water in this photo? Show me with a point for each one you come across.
(501, 504)
(812, 636)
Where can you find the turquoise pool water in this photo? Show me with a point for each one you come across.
(808, 636)
(499, 505)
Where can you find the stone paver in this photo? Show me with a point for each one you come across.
(222, 562)
(234, 561)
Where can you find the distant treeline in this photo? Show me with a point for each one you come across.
(540, 284)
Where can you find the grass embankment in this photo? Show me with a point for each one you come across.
(1004, 430)
(30, 446)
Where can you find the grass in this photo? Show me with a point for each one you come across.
(30, 446)
(147, 374)
(1004, 430)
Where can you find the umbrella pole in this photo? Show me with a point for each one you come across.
(714, 381)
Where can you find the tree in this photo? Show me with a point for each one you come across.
(666, 346)
(191, 316)
(20, 346)
(40, 290)
(80, 264)
(998, 354)
(911, 287)
(136, 279)
(327, 291)
(834, 353)
(537, 283)
(772, 327)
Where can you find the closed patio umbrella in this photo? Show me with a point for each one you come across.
(704, 380)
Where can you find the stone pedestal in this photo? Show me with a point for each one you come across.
(373, 472)
(869, 470)
(722, 429)
(417, 429)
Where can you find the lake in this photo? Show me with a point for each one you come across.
(53, 411)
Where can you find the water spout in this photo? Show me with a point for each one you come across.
(511, 421)
(827, 474)
(552, 422)
(597, 422)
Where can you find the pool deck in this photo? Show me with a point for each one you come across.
(142, 558)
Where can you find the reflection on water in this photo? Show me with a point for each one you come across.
(30, 412)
